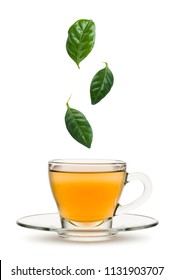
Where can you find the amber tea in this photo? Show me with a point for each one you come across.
(86, 197)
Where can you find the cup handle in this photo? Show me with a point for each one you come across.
(140, 200)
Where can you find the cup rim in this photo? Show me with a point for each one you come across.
(86, 165)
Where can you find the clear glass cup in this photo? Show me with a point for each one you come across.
(87, 192)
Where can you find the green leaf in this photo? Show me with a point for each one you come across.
(101, 84)
(78, 126)
(81, 39)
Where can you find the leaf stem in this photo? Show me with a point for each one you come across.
(106, 64)
(68, 107)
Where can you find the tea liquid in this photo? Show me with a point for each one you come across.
(86, 197)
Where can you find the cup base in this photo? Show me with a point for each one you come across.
(73, 225)
(86, 231)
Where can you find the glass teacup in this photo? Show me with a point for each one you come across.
(87, 192)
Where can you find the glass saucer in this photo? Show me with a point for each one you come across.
(51, 222)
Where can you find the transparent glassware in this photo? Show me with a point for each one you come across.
(121, 223)
(87, 192)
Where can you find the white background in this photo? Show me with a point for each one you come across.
(134, 123)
